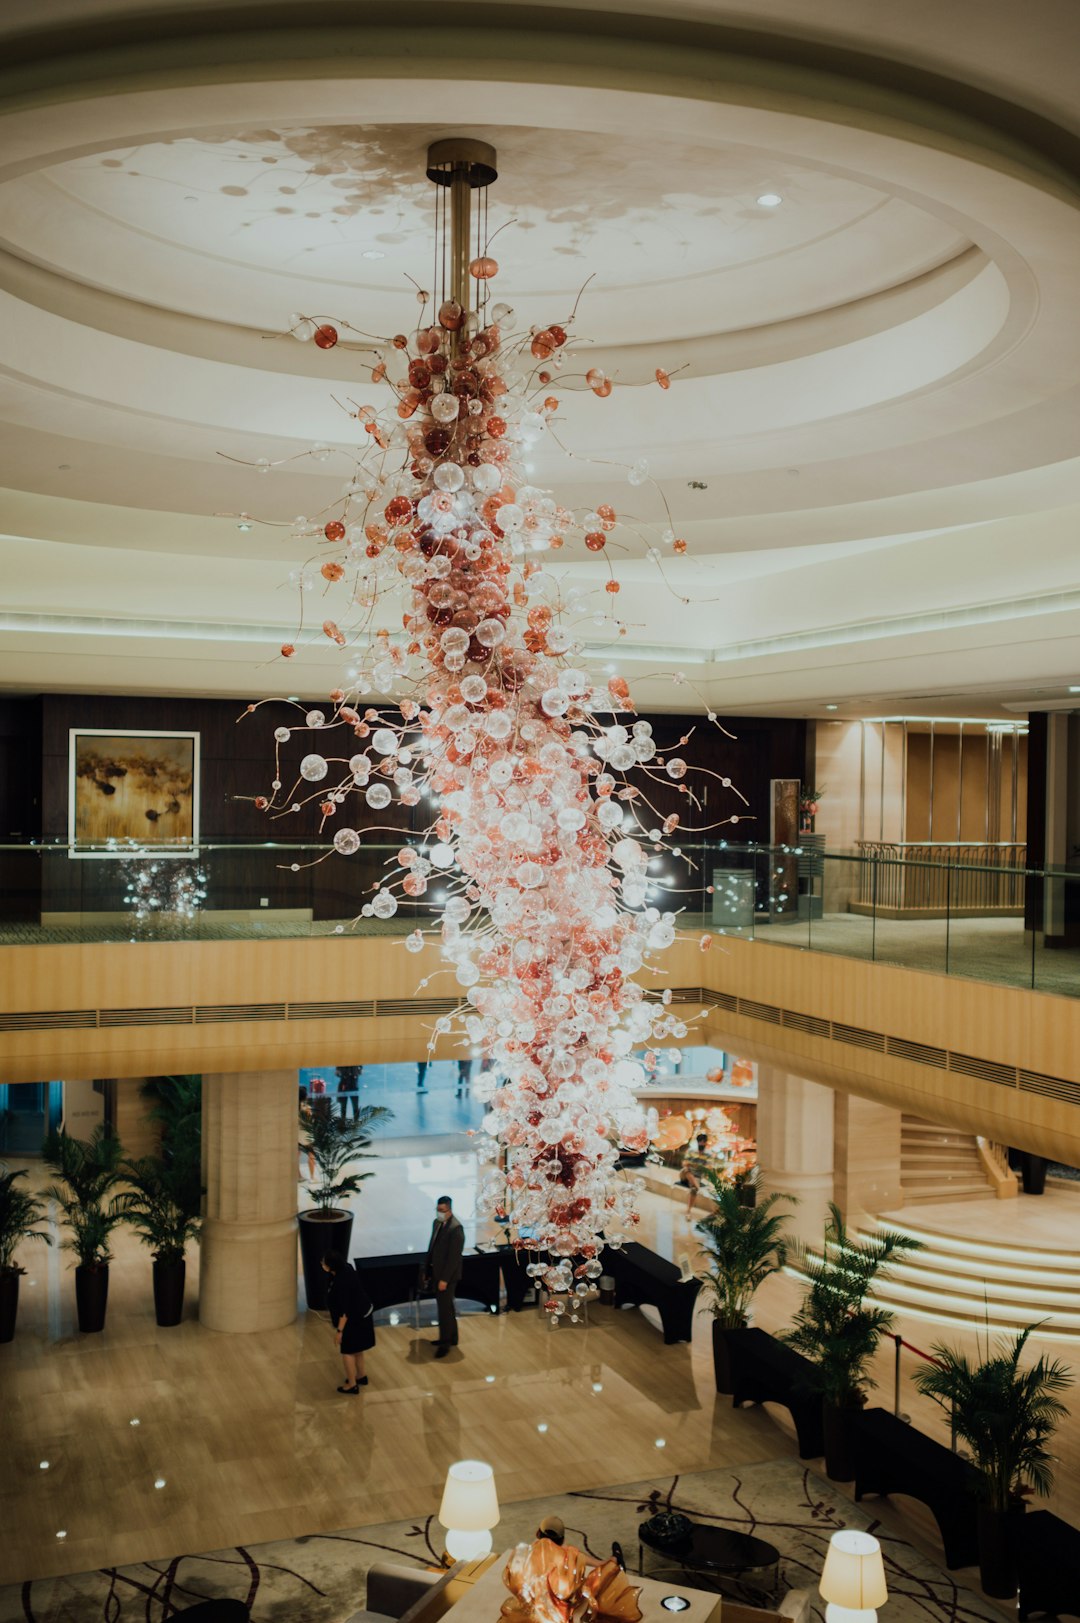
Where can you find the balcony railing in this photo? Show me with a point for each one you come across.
(936, 878)
(993, 920)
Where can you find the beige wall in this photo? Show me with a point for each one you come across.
(83, 1107)
(136, 1131)
(997, 1024)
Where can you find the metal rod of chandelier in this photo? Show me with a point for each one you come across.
(462, 165)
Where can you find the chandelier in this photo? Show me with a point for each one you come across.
(544, 828)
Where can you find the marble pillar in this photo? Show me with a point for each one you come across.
(866, 1158)
(248, 1270)
(795, 1145)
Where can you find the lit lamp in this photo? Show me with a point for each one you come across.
(469, 1509)
(853, 1578)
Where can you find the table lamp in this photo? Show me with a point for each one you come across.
(469, 1509)
(853, 1578)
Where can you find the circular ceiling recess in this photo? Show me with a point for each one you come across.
(245, 226)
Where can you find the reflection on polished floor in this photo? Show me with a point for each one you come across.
(250, 1441)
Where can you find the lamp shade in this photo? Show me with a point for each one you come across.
(854, 1574)
(469, 1502)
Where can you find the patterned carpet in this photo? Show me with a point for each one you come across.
(320, 1578)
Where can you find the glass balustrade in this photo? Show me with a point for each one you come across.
(945, 912)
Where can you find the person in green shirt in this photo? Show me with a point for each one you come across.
(696, 1162)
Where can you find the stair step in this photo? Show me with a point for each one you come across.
(947, 1182)
(1026, 1255)
(955, 1308)
(934, 1197)
(930, 1271)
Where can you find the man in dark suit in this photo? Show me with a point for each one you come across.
(443, 1270)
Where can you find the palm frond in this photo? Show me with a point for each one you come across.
(336, 1144)
(88, 1173)
(744, 1245)
(836, 1326)
(20, 1212)
(1004, 1414)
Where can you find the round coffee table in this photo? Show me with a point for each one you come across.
(716, 1552)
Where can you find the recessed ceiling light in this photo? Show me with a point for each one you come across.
(770, 200)
(43, 1465)
(832, 707)
(542, 1427)
(372, 253)
(244, 524)
(62, 1533)
(1074, 690)
(159, 1482)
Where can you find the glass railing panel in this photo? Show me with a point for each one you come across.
(843, 893)
(737, 887)
(980, 921)
(988, 940)
(911, 915)
(1056, 951)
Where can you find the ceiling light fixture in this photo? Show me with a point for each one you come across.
(832, 707)
(372, 253)
(770, 200)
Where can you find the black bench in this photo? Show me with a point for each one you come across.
(763, 1370)
(1048, 1563)
(641, 1276)
(891, 1457)
(393, 1280)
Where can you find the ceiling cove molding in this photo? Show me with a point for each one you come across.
(711, 353)
(314, 37)
(900, 625)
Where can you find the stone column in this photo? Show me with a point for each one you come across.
(866, 1157)
(248, 1271)
(795, 1145)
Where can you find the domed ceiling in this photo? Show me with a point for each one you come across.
(865, 299)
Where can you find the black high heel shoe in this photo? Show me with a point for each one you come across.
(350, 1391)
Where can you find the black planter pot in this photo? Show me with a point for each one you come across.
(9, 1303)
(91, 1296)
(169, 1291)
(722, 1338)
(999, 1535)
(321, 1232)
(1033, 1173)
(839, 1422)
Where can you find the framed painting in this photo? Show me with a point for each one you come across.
(132, 790)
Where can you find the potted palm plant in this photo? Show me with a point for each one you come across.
(838, 1328)
(88, 1170)
(744, 1245)
(335, 1145)
(1006, 1416)
(158, 1206)
(20, 1212)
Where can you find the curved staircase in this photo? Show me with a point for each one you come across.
(1004, 1284)
(939, 1163)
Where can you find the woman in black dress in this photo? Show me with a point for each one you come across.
(353, 1318)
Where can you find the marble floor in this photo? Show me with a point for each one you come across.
(142, 1441)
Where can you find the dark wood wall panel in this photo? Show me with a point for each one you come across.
(236, 763)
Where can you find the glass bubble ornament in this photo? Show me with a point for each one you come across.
(313, 768)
